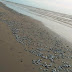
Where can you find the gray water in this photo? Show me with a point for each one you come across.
(60, 29)
(62, 6)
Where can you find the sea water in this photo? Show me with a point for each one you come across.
(62, 30)
(62, 6)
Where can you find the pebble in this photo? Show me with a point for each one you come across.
(60, 68)
(37, 62)
(45, 70)
(54, 70)
(66, 65)
(40, 68)
(55, 54)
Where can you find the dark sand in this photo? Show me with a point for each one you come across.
(21, 37)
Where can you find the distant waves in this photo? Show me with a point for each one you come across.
(55, 16)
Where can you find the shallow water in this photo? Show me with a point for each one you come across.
(63, 6)
(62, 30)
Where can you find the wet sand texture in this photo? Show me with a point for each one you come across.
(26, 45)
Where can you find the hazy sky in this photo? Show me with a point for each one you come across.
(57, 5)
(53, 3)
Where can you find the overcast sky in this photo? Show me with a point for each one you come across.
(55, 5)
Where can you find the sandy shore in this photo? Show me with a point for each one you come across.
(55, 16)
(58, 22)
(26, 45)
(11, 52)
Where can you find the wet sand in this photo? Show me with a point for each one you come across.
(55, 16)
(58, 22)
(26, 45)
(11, 52)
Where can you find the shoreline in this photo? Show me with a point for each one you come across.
(31, 35)
(57, 22)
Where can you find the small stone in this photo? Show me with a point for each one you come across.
(60, 68)
(66, 65)
(67, 46)
(45, 69)
(21, 61)
(53, 70)
(71, 57)
(40, 68)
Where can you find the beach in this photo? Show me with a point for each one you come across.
(27, 45)
(59, 23)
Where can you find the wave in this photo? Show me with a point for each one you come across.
(58, 22)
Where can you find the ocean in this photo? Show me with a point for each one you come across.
(62, 6)
(60, 28)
